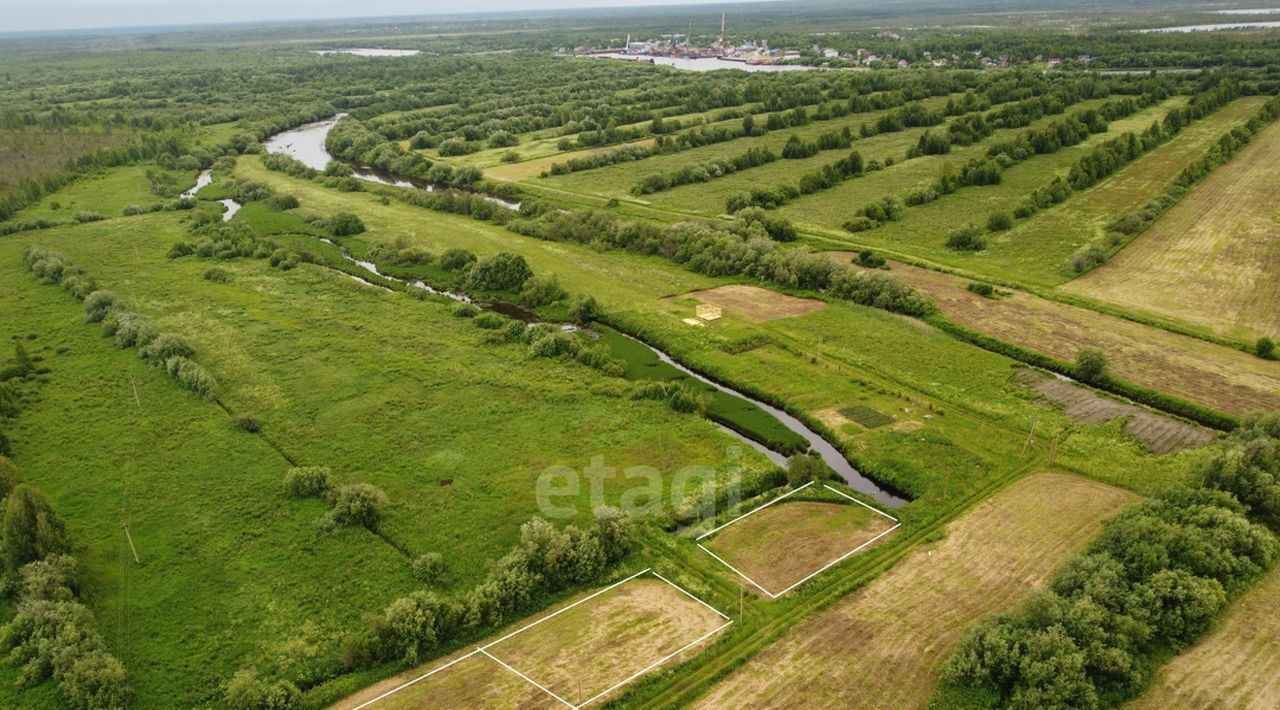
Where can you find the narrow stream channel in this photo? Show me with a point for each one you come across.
(306, 144)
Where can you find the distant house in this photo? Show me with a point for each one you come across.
(902, 64)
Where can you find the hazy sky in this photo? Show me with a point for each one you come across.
(23, 15)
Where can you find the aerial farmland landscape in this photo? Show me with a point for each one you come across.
(640, 354)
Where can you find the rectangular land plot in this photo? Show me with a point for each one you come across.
(882, 647)
(589, 650)
(575, 655)
(779, 546)
(1212, 375)
(1211, 260)
(473, 681)
(757, 304)
(1236, 665)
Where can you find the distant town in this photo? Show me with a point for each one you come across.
(757, 51)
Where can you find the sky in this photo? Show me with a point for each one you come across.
(28, 15)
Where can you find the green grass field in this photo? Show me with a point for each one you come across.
(378, 386)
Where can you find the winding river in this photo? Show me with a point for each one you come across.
(306, 144)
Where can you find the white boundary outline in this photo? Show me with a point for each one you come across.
(484, 650)
(896, 524)
(712, 531)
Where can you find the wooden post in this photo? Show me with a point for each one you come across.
(131, 547)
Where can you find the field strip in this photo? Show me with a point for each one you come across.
(428, 674)
(531, 681)
(561, 611)
(659, 662)
(738, 572)
(820, 570)
(839, 559)
(557, 657)
(753, 510)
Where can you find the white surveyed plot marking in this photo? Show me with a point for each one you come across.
(486, 650)
(811, 575)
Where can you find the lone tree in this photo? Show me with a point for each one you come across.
(1091, 365)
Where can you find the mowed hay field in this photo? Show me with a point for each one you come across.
(882, 647)
(577, 654)
(1237, 665)
(784, 543)
(1212, 259)
(1212, 375)
(756, 304)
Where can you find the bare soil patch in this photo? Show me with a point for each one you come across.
(757, 304)
(883, 646)
(1160, 433)
(1237, 665)
(786, 542)
(1212, 259)
(1211, 375)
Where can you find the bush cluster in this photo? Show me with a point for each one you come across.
(51, 634)
(1151, 583)
(681, 395)
(966, 237)
(704, 171)
(715, 250)
(545, 560)
(129, 329)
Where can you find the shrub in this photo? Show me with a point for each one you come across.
(502, 139)
(1265, 348)
(503, 271)
(307, 482)
(249, 424)
(280, 203)
(454, 259)
(54, 578)
(30, 529)
(542, 290)
(999, 221)
(491, 321)
(428, 568)
(98, 304)
(1091, 365)
(1088, 260)
(870, 259)
(85, 217)
(192, 376)
(9, 477)
(982, 289)
(217, 275)
(803, 468)
(248, 691)
(358, 504)
(131, 329)
(966, 238)
(585, 309)
(344, 224)
(462, 309)
(860, 224)
(166, 346)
